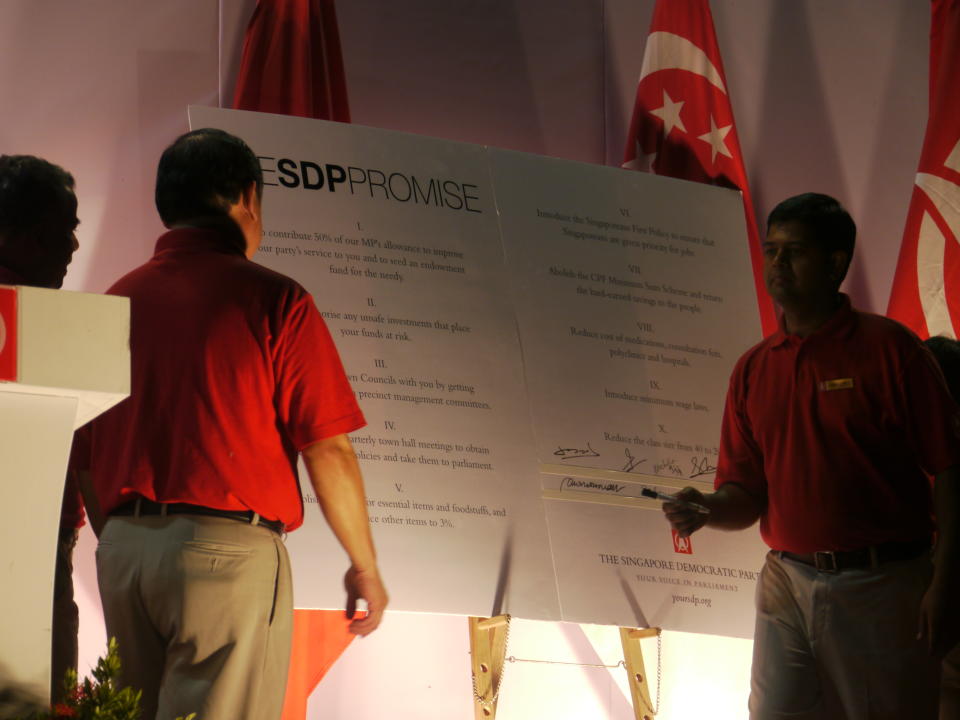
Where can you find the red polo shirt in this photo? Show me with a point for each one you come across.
(233, 372)
(9, 277)
(839, 431)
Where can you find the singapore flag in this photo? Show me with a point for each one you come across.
(682, 122)
(926, 287)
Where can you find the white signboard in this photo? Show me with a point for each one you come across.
(396, 236)
(634, 297)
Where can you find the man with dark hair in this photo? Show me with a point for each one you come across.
(234, 376)
(947, 352)
(831, 428)
(38, 217)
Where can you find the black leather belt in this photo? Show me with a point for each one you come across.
(871, 557)
(143, 506)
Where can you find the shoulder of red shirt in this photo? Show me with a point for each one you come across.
(9, 277)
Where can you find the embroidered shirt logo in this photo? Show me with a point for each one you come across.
(837, 384)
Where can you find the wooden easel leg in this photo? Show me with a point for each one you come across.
(636, 672)
(488, 649)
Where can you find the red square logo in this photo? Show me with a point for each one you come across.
(681, 544)
(8, 334)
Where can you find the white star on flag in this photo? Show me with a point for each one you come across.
(669, 112)
(641, 161)
(717, 140)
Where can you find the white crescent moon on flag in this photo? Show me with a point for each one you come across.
(931, 245)
(666, 51)
(3, 334)
(953, 159)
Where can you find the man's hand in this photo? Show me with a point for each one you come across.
(365, 585)
(685, 519)
(731, 508)
(335, 476)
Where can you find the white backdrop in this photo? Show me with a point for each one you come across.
(829, 95)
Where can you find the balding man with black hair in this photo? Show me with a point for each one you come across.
(947, 352)
(235, 376)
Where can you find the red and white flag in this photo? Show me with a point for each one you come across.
(926, 287)
(682, 122)
(291, 62)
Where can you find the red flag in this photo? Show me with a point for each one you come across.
(292, 63)
(926, 287)
(682, 122)
(319, 638)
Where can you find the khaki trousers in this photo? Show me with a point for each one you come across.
(842, 646)
(202, 610)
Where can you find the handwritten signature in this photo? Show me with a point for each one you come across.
(667, 467)
(701, 466)
(632, 461)
(570, 483)
(573, 453)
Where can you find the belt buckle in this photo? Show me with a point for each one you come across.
(826, 561)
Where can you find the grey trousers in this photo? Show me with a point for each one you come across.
(202, 610)
(842, 646)
(66, 616)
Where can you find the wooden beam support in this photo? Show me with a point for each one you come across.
(488, 650)
(636, 671)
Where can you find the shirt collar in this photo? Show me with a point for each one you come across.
(838, 325)
(217, 237)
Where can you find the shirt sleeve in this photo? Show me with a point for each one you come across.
(740, 461)
(314, 398)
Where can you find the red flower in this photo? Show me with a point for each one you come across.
(63, 711)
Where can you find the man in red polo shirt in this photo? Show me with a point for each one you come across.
(38, 219)
(831, 430)
(234, 375)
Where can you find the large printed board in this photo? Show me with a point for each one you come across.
(396, 237)
(632, 298)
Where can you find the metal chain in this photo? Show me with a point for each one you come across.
(512, 659)
(659, 668)
(496, 691)
(515, 659)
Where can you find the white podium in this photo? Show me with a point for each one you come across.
(64, 359)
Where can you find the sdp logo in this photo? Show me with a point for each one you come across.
(681, 544)
(8, 334)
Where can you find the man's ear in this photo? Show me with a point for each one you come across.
(245, 212)
(250, 200)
